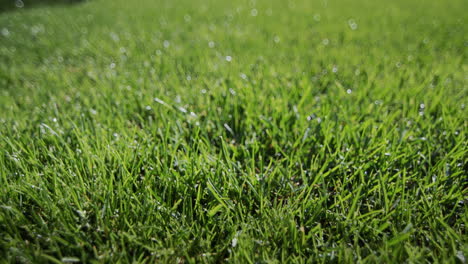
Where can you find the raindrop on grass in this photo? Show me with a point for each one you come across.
(114, 36)
(352, 24)
(234, 242)
(228, 128)
(5, 32)
(159, 101)
(19, 3)
(317, 17)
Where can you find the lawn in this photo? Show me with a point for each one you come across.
(261, 131)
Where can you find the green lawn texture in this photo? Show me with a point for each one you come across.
(324, 131)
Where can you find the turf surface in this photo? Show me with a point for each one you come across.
(248, 131)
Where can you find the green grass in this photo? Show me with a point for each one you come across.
(244, 131)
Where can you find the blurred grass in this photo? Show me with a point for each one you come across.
(12, 5)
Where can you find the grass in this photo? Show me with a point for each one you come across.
(241, 131)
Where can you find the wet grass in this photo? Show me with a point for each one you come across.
(249, 131)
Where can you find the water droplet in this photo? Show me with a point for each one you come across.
(228, 128)
(352, 24)
(234, 242)
(114, 37)
(19, 3)
(5, 32)
(159, 101)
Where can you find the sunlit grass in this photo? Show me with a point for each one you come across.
(248, 131)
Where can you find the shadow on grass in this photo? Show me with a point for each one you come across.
(12, 5)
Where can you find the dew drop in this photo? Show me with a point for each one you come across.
(317, 17)
(19, 3)
(5, 32)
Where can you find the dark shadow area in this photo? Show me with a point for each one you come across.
(12, 5)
